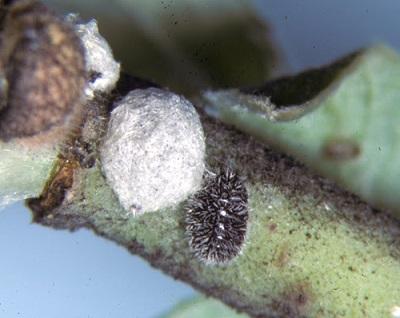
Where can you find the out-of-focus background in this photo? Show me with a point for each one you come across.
(47, 273)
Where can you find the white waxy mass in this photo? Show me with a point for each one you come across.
(153, 152)
(100, 64)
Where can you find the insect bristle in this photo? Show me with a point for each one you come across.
(216, 219)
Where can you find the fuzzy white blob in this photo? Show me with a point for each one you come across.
(98, 55)
(154, 149)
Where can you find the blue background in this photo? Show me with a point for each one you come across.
(47, 273)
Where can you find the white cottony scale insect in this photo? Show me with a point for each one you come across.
(216, 219)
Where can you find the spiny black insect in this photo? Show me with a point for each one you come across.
(216, 219)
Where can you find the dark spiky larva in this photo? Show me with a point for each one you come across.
(42, 70)
(216, 219)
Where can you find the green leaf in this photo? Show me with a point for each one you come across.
(24, 171)
(203, 308)
(341, 120)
